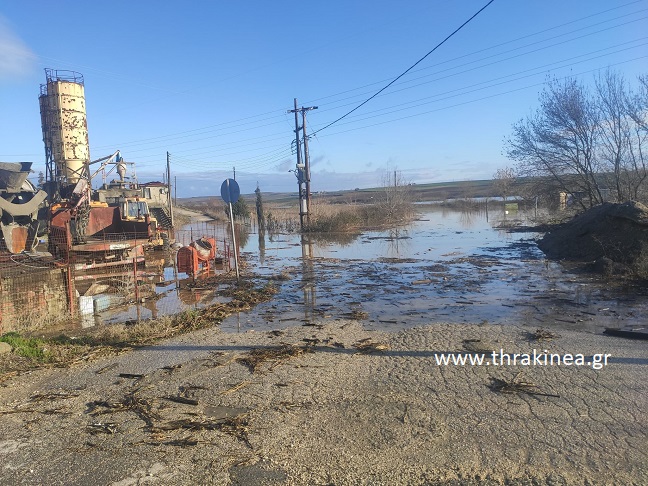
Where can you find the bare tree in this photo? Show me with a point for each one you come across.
(559, 141)
(623, 135)
(637, 110)
(587, 144)
(503, 182)
(396, 200)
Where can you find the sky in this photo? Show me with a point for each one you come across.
(211, 82)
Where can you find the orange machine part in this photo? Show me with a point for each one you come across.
(188, 260)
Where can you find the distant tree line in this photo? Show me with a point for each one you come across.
(587, 142)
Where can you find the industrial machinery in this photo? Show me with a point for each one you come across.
(102, 232)
(19, 205)
(197, 257)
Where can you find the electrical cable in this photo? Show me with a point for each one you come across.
(408, 69)
(317, 100)
(479, 99)
(487, 64)
(180, 134)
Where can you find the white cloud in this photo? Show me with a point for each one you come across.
(16, 59)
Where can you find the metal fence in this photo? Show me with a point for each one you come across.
(68, 287)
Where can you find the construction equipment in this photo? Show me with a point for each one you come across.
(102, 232)
(197, 257)
(19, 205)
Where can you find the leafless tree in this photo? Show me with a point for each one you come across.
(623, 136)
(503, 181)
(396, 198)
(586, 144)
(559, 141)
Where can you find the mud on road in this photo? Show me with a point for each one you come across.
(332, 403)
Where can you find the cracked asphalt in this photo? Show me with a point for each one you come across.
(193, 410)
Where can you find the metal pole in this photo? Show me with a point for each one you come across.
(238, 277)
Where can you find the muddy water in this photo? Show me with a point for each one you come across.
(448, 266)
(163, 290)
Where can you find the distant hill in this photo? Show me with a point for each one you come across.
(438, 191)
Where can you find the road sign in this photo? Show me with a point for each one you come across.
(230, 191)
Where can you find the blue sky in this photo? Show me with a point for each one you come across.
(211, 82)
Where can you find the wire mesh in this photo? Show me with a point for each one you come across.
(114, 278)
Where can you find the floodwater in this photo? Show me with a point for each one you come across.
(447, 266)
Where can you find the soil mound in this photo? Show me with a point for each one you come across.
(613, 237)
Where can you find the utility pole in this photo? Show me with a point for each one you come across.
(303, 168)
(306, 157)
(303, 208)
(169, 188)
(234, 169)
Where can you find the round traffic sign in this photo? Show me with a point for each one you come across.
(230, 191)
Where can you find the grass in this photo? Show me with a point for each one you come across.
(335, 218)
(27, 347)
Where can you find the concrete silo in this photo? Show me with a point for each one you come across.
(65, 129)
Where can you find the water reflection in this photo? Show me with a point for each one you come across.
(242, 234)
(342, 239)
(467, 218)
(401, 277)
(308, 277)
(261, 246)
(398, 242)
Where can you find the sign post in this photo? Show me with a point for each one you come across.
(230, 193)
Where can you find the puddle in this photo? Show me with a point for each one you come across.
(162, 290)
(448, 266)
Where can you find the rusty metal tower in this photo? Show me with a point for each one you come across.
(65, 131)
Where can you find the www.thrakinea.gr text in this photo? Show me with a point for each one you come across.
(533, 358)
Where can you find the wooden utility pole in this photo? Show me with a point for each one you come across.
(303, 168)
(168, 178)
(303, 208)
(307, 158)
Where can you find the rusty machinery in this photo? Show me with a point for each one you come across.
(19, 205)
(75, 218)
(197, 257)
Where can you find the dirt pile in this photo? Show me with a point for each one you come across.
(613, 237)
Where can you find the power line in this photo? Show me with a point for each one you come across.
(282, 154)
(180, 135)
(407, 70)
(544, 66)
(491, 63)
(475, 100)
(509, 42)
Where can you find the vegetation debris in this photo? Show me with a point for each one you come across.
(275, 355)
(102, 428)
(235, 426)
(183, 400)
(543, 335)
(366, 346)
(517, 386)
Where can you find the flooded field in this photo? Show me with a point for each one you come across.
(447, 266)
